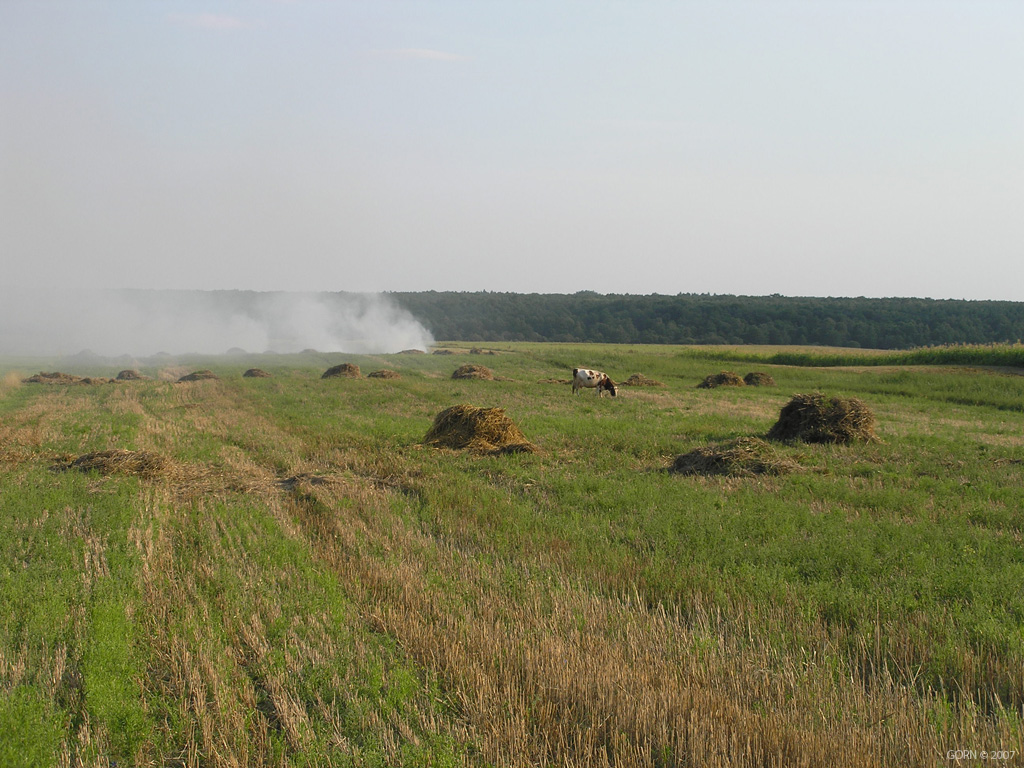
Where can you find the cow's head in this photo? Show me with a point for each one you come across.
(609, 385)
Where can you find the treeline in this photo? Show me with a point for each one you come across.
(712, 319)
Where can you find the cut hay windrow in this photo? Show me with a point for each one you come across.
(723, 379)
(758, 379)
(123, 462)
(472, 371)
(56, 377)
(480, 430)
(343, 371)
(816, 418)
(743, 457)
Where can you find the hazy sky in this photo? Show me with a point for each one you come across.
(806, 148)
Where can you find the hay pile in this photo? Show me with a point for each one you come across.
(481, 430)
(121, 462)
(384, 373)
(472, 371)
(639, 380)
(343, 371)
(743, 457)
(443, 352)
(55, 377)
(723, 379)
(816, 418)
(130, 375)
(758, 379)
(412, 352)
(256, 373)
(201, 375)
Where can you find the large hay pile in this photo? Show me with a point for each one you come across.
(54, 377)
(343, 371)
(758, 379)
(472, 371)
(816, 418)
(202, 375)
(121, 462)
(384, 373)
(723, 379)
(743, 457)
(256, 373)
(481, 430)
(639, 380)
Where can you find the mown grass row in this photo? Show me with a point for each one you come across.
(328, 591)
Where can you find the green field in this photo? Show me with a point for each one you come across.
(298, 580)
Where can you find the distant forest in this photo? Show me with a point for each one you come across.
(713, 319)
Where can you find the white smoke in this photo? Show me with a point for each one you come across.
(141, 323)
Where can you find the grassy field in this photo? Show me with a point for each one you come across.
(298, 580)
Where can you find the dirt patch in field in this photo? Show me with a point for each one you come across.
(723, 379)
(472, 371)
(744, 457)
(481, 430)
(384, 373)
(343, 371)
(303, 479)
(758, 379)
(639, 380)
(816, 418)
(202, 375)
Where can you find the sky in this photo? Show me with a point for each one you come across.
(805, 148)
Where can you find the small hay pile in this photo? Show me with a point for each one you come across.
(816, 418)
(472, 371)
(758, 379)
(130, 375)
(121, 462)
(639, 380)
(256, 373)
(384, 373)
(202, 375)
(54, 377)
(481, 430)
(743, 457)
(723, 379)
(412, 352)
(343, 371)
(442, 352)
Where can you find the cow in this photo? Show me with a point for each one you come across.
(584, 378)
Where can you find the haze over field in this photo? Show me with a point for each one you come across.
(844, 148)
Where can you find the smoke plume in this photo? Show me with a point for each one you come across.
(141, 323)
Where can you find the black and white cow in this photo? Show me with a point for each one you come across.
(584, 378)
